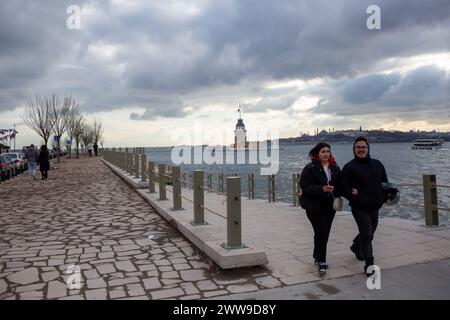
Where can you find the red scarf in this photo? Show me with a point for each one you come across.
(331, 160)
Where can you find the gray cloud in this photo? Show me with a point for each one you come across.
(421, 93)
(158, 53)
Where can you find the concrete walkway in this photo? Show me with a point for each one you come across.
(85, 215)
(424, 281)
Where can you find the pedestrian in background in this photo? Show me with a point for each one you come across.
(31, 155)
(44, 163)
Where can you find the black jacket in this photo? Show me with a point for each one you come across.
(365, 175)
(44, 163)
(312, 180)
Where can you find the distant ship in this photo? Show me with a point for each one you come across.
(427, 144)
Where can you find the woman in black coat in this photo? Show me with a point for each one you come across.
(319, 181)
(44, 163)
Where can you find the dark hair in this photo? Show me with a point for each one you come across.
(43, 147)
(315, 151)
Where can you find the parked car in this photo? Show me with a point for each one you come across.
(5, 168)
(16, 160)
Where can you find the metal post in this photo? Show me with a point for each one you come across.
(271, 187)
(162, 181)
(221, 182)
(234, 229)
(143, 168)
(209, 182)
(190, 180)
(151, 177)
(136, 163)
(176, 188)
(184, 180)
(199, 198)
(127, 156)
(295, 189)
(430, 197)
(251, 186)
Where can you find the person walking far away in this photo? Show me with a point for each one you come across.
(31, 155)
(44, 163)
(361, 184)
(95, 148)
(319, 181)
(89, 148)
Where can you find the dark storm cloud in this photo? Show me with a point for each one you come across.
(423, 91)
(160, 50)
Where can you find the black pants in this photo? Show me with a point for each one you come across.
(321, 221)
(44, 174)
(367, 222)
(95, 151)
(90, 153)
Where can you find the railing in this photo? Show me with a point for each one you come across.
(136, 164)
(195, 181)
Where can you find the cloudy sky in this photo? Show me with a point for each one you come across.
(147, 67)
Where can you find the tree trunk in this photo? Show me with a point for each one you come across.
(57, 151)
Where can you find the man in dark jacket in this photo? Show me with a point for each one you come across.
(361, 184)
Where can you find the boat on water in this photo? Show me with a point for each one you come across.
(427, 144)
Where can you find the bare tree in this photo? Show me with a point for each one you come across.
(97, 130)
(78, 128)
(72, 126)
(61, 116)
(87, 136)
(38, 115)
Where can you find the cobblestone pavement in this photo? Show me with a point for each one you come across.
(85, 216)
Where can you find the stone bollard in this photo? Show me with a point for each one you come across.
(162, 181)
(430, 200)
(143, 168)
(234, 204)
(136, 163)
(199, 198)
(151, 177)
(176, 188)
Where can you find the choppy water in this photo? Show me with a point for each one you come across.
(403, 166)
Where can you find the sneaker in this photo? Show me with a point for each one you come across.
(358, 253)
(322, 267)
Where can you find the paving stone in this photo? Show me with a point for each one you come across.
(97, 294)
(135, 289)
(125, 266)
(168, 293)
(3, 286)
(209, 294)
(96, 283)
(31, 287)
(192, 275)
(268, 282)
(239, 288)
(121, 282)
(117, 292)
(25, 276)
(106, 268)
(151, 283)
(56, 289)
(206, 285)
